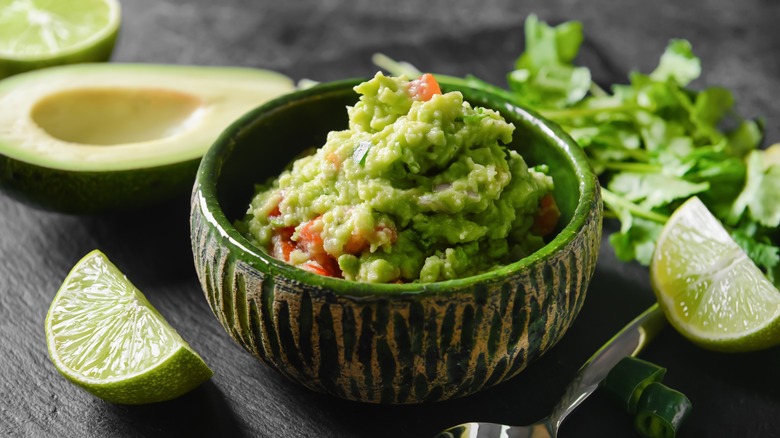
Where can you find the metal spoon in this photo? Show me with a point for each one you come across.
(628, 342)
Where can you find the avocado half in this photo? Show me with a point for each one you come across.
(95, 138)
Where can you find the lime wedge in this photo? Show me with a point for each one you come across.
(709, 289)
(41, 33)
(104, 336)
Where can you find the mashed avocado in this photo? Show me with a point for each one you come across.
(419, 188)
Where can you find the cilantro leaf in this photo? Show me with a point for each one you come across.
(758, 247)
(651, 190)
(546, 45)
(544, 75)
(761, 195)
(361, 152)
(475, 117)
(745, 138)
(678, 63)
(712, 105)
(639, 228)
(637, 242)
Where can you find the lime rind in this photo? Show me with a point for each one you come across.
(709, 288)
(178, 374)
(105, 336)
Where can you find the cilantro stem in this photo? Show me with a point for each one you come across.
(632, 167)
(613, 200)
(597, 91)
(570, 113)
(395, 68)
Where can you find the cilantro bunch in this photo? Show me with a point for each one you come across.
(654, 142)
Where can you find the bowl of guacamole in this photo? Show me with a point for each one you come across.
(395, 240)
(420, 187)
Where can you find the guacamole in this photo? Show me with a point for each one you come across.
(418, 188)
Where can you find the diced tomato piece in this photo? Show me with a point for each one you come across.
(310, 242)
(330, 270)
(424, 87)
(334, 159)
(276, 211)
(547, 216)
(314, 267)
(309, 237)
(282, 244)
(328, 262)
(356, 244)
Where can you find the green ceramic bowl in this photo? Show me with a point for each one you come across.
(387, 343)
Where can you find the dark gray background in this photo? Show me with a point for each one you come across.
(733, 395)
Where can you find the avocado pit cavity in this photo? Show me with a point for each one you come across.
(113, 116)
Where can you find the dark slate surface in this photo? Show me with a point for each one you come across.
(733, 395)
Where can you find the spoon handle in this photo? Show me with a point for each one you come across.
(627, 342)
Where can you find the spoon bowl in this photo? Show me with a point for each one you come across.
(628, 342)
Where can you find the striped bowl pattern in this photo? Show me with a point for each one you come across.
(408, 348)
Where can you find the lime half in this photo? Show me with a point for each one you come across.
(104, 336)
(42, 33)
(709, 289)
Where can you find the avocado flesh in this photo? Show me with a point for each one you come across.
(94, 138)
(112, 116)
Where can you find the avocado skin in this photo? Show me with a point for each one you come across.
(94, 192)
